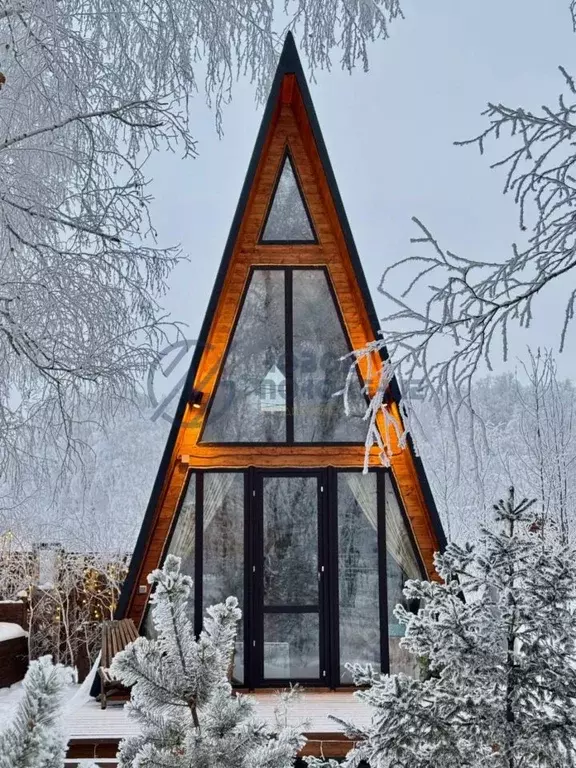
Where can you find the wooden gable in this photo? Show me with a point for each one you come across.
(289, 127)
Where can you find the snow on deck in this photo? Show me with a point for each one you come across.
(91, 722)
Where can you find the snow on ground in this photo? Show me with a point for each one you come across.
(9, 698)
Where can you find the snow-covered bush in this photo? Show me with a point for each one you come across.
(498, 634)
(181, 694)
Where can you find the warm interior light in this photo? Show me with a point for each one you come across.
(196, 399)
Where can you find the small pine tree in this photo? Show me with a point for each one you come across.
(35, 738)
(499, 637)
(181, 694)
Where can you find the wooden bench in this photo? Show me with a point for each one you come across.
(116, 635)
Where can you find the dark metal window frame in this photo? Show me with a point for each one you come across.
(255, 675)
(287, 158)
(328, 609)
(288, 357)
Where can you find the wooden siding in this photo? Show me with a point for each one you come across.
(289, 128)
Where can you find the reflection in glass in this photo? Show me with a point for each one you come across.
(287, 220)
(249, 404)
(291, 646)
(319, 373)
(290, 540)
(183, 539)
(223, 545)
(290, 548)
(358, 582)
(401, 565)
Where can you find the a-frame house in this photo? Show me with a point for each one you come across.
(260, 489)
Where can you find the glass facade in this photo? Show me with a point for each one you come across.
(320, 372)
(358, 571)
(223, 547)
(250, 400)
(317, 556)
(299, 595)
(183, 540)
(294, 586)
(401, 565)
(290, 566)
(288, 219)
(284, 370)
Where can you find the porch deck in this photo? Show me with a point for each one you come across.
(95, 732)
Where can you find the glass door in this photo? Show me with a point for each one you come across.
(289, 612)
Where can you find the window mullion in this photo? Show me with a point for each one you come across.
(289, 341)
(199, 558)
(383, 572)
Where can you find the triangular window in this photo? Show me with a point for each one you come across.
(320, 343)
(249, 404)
(284, 367)
(288, 220)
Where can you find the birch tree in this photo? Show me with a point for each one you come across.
(88, 90)
(545, 451)
(528, 420)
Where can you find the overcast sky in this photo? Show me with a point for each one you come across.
(389, 133)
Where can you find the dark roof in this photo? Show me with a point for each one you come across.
(289, 63)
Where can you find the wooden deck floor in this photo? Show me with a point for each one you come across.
(95, 732)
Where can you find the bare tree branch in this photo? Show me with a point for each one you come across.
(453, 318)
(88, 91)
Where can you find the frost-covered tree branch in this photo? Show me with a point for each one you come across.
(453, 317)
(87, 91)
(528, 420)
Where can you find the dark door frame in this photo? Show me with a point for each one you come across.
(254, 660)
(329, 579)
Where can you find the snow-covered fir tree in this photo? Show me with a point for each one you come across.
(181, 695)
(35, 737)
(497, 635)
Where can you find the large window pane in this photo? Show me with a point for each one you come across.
(183, 538)
(250, 401)
(291, 605)
(288, 220)
(223, 573)
(182, 542)
(291, 646)
(319, 343)
(290, 540)
(358, 578)
(401, 565)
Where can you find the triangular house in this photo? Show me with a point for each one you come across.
(260, 489)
